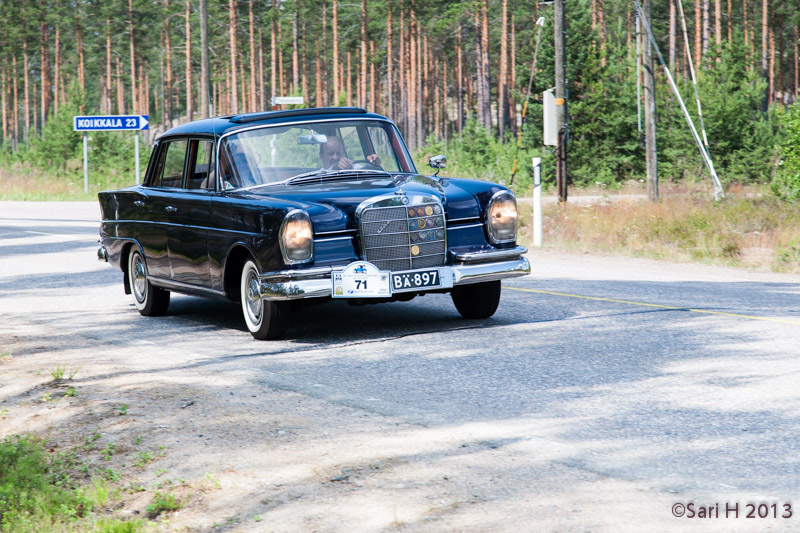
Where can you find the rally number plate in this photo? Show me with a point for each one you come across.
(360, 280)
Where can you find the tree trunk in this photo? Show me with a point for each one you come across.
(281, 73)
(304, 62)
(363, 87)
(324, 57)
(389, 64)
(189, 88)
(295, 55)
(273, 57)
(318, 101)
(673, 35)
(3, 90)
(771, 74)
(706, 27)
(764, 38)
(601, 20)
(26, 79)
(698, 33)
(402, 69)
(262, 104)
(485, 75)
(502, 78)
(57, 49)
(372, 92)
(168, 57)
(459, 83)
(205, 69)
(349, 82)
(718, 23)
(134, 103)
(109, 75)
(44, 45)
(412, 82)
(252, 41)
(512, 104)
(730, 22)
(234, 82)
(337, 83)
(16, 104)
(120, 89)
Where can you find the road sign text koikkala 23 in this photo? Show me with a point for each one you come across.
(111, 122)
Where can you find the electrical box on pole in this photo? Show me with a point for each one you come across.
(549, 119)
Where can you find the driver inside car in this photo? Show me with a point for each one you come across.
(333, 157)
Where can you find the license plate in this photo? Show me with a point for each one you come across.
(408, 281)
(360, 280)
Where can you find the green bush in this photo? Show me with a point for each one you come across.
(787, 184)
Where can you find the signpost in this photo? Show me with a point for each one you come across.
(287, 100)
(108, 123)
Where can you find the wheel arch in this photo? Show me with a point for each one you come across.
(234, 262)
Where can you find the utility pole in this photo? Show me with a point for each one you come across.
(649, 84)
(562, 114)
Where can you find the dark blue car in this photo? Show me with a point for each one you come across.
(269, 208)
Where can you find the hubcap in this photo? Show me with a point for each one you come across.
(253, 298)
(139, 280)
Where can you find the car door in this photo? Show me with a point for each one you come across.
(155, 206)
(189, 217)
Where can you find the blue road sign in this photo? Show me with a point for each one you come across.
(111, 122)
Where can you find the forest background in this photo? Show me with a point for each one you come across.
(453, 75)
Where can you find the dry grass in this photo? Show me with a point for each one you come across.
(746, 229)
(21, 181)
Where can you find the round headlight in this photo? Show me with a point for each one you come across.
(297, 237)
(501, 218)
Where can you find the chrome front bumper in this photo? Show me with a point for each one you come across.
(476, 267)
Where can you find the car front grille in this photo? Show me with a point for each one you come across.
(404, 237)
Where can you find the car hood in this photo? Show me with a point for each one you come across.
(332, 204)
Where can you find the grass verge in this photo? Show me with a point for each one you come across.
(39, 491)
(751, 230)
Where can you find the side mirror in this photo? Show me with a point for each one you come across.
(438, 162)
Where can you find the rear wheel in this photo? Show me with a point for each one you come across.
(265, 319)
(149, 300)
(479, 300)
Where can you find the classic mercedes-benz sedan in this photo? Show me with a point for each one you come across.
(267, 209)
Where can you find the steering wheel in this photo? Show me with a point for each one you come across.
(363, 164)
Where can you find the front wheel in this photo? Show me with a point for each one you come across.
(479, 300)
(149, 300)
(265, 319)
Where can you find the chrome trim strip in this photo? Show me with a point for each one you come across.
(452, 220)
(491, 255)
(476, 225)
(316, 282)
(186, 288)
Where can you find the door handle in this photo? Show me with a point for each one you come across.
(171, 209)
(138, 203)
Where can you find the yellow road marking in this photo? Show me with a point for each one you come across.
(643, 304)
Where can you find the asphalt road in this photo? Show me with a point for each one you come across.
(683, 378)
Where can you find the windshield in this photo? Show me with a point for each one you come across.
(275, 154)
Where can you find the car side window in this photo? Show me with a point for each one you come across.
(201, 175)
(169, 172)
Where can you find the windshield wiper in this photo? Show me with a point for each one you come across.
(329, 174)
(315, 175)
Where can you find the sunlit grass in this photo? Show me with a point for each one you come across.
(23, 182)
(748, 230)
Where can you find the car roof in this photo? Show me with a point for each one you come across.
(221, 125)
